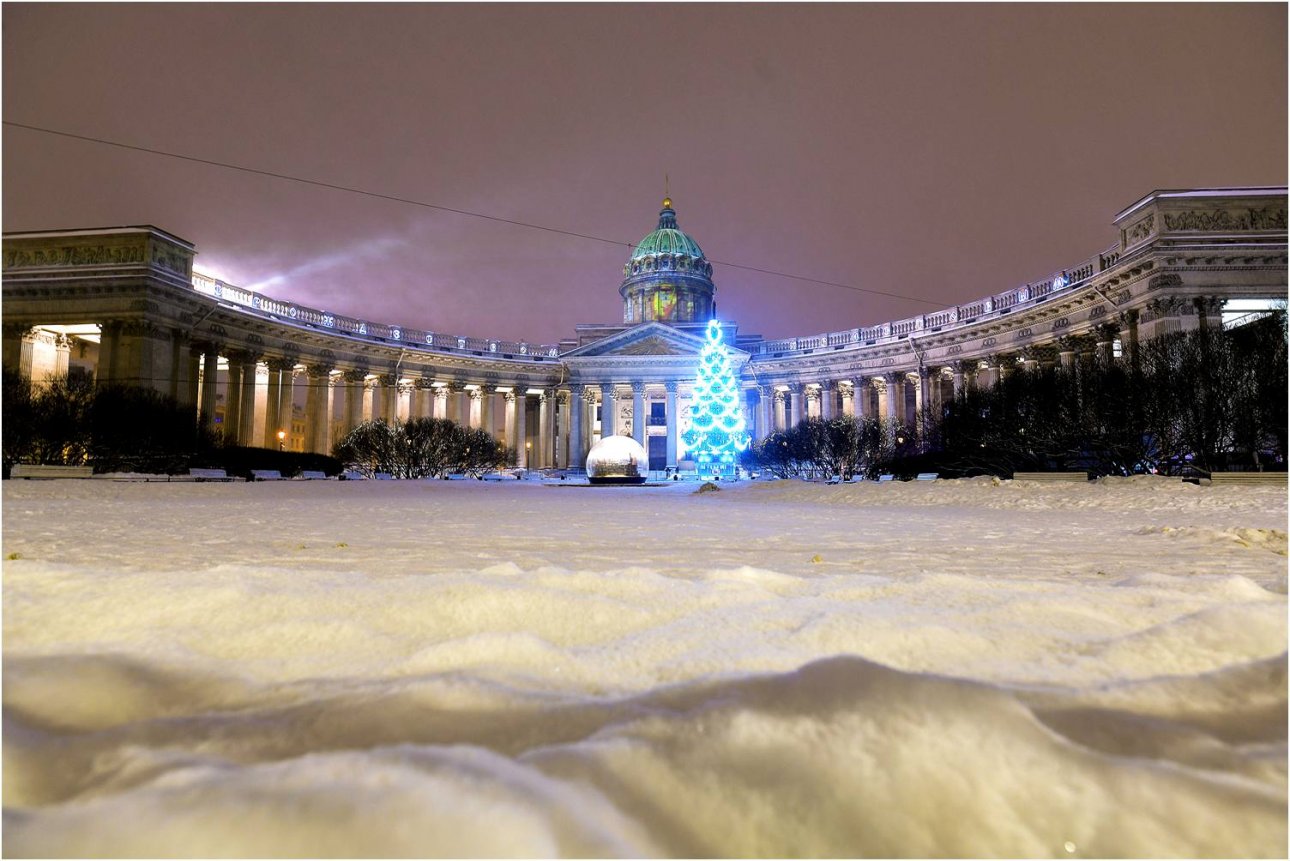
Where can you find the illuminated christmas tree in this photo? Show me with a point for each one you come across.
(716, 435)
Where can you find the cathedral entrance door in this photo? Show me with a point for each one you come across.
(657, 453)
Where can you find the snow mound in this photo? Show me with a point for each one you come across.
(461, 669)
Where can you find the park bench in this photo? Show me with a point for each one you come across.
(266, 475)
(314, 475)
(1050, 476)
(927, 476)
(887, 477)
(208, 475)
(46, 470)
(1233, 478)
(383, 476)
(352, 475)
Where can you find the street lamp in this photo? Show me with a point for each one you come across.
(282, 436)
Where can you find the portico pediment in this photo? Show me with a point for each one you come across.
(647, 339)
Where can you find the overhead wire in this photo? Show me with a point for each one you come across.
(393, 198)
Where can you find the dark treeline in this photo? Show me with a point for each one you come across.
(421, 448)
(73, 422)
(1212, 400)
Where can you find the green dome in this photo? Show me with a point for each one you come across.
(667, 238)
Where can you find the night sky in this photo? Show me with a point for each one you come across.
(941, 152)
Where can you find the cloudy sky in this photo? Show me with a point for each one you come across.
(936, 152)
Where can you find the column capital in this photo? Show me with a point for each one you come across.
(1209, 305)
(242, 357)
(672, 386)
(638, 387)
(847, 387)
(893, 377)
(511, 397)
(589, 394)
(562, 396)
(1105, 332)
(317, 371)
(795, 387)
(576, 389)
(476, 394)
(279, 364)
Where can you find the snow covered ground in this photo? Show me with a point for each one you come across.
(781, 669)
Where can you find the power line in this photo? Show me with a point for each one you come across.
(421, 203)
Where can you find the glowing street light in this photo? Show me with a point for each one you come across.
(282, 436)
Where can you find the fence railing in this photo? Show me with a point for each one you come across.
(302, 315)
(959, 315)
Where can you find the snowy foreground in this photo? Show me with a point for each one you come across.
(458, 668)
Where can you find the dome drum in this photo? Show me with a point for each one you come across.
(667, 278)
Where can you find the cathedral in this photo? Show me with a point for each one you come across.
(124, 306)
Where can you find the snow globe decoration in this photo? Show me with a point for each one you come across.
(617, 460)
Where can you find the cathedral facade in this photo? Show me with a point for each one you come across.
(124, 305)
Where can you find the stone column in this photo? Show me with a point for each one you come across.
(388, 391)
(1129, 337)
(576, 416)
(178, 362)
(452, 403)
(919, 381)
(194, 374)
(765, 416)
(440, 395)
(1104, 334)
(476, 398)
(864, 397)
(673, 423)
(546, 417)
(1067, 352)
(316, 431)
(608, 410)
(355, 388)
(417, 400)
(794, 404)
(562, 425)
(812, 404)
(959, 369)
(246, 419)
(508, 418)
(847, 391)
(589, 423)
(828, 396)
(638, 411)
(893, 400)
(1210, 312)
(487, 417)
(20, 346)
(109, 348)
(233, 397)
(273, 403)
(781, 410)
(287, 404)
(519, 432)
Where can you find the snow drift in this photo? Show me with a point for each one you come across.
(457, 669)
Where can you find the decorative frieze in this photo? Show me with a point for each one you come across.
(1267, 218)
